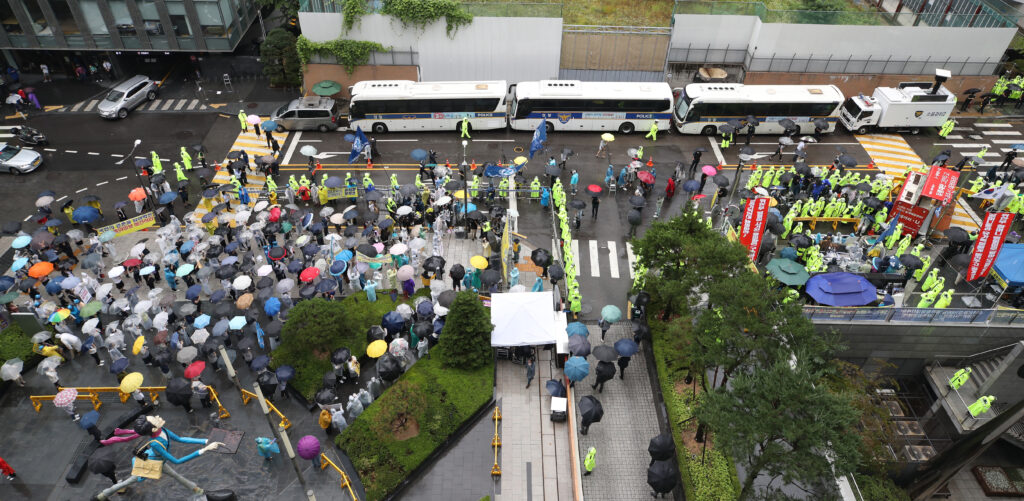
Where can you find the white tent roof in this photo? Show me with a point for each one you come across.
(526, 318)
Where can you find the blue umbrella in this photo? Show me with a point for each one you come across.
(576, 329)
(168, 197)
(221, 327)
(285, 373)
(392, 321)
(259, 335)
(349, 138)
(201, 321)
(187, 246)
(21, 242)
(89, 419)
(691, 185)
(269, 125)
(295, 266)
(334, 182)
(438, 325)
(50, 255)
(462, 207)
(425, 309)
(611, 313)
(576, 368)
(272, 306)
(841, 289)
(19, 264)
(260, 363)
(53, 287)
(232, 247)
(338, 267)
(1018, 146)
(86, 214)
(118, 365)
(419, 154)
(237, 322)
(52, 223)
(6, 282)
(193, 291)
(143, 162)
(107, 236)
(217, 296)
(788, 253)
(555, 387)
(344, 255)
(626, 347)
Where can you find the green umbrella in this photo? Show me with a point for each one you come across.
(787, 271)
(91, 309)
(326, 88)
(8, 298)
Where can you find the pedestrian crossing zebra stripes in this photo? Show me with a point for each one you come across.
(597, 259)
(255, 145)
(889, 152)
(186, 104)
(964, 217)
(5, 131)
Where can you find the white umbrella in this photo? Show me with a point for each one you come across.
(104, 290)
(160, 321)
(143, 306)
(116, 271)
(403, 210)
(398, 347)
(41, 336)
(262, 204)
(301, 240)
(75, 234)
(242, 282)
(48, 363)
(11, 369)
(91, 325)
(120, 304)
(70, 340)
(187, 354)
(154, 293)
(308, 150)
(417, 243)
(200, 336)
(440, 310)
(337, 218)
(405, 310)
(398, 249)
(285, 285)
(137, 250)
(242, 217)
(264, 270)
(443, 200)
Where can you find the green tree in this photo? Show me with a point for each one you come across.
(317, 325)
(683, 257)
(465, 342)
(288, 8)
(777, 422)
(280, 59)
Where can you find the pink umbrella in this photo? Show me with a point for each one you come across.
(65, 397)
(308, 447)
(406, 272)
(709, 170)
(379, 246)
(253, 119)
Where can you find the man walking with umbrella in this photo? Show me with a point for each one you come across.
(605, 371)
(696, 160)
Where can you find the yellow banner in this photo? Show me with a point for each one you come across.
(363, 258)
(130, 225)
(336, 193)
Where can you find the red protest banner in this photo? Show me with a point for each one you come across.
(990, 241)
(911, 216)
(940, 184)
(755, 217)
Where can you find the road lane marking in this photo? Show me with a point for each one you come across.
(631, 259)
(167, 105)
(181, 104)
(575, 247)
(27, 218)
(192, 105)
(291, 148)
(92, 104)
(992, 125)
(118, 155)
(397, 140)
(153, 105)
(1007, 141)
(93, 153)
(482, 140)
(49, 149)
(61, 198)
(81, 190)
(613, 259)
(716, 150)
(595, 260)
(77, 106)
(122, 178)
(70, 151)
(103, 183)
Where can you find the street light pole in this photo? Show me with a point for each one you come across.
(129, 157)
(282, 434)
(464, 144)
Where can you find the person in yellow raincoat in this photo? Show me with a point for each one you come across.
(186, 158)
(321, 193)
(157, 166)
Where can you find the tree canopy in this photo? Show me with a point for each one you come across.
(465, 341)
(317, 324)
(280, 58)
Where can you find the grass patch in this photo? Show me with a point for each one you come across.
(610, 12)
(15, 343)
(715, 478)
(435, 399)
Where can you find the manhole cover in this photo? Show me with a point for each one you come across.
(185, 134)
(586, 309)
(251, 105)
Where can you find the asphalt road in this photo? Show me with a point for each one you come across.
(84, 149)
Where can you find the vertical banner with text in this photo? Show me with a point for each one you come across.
(990, 241)
(755, 217)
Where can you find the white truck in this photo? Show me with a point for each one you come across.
(909, 107)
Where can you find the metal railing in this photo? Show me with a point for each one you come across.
(346, 482)
(980, 16)
(618, 30)
(247, 396)
(918, 315)
(496, 441)
(482, 9)
(390, 58)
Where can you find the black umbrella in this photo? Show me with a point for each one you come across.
(960, 260)
(179, 391)
(476, 215)
(865, 186)
(634, 217)
(307, 292)
(721, 180)
(957, 234)
(490, 277)
(873, 202)
(457, 272)
(453, 185)
(553, 170)
(580, 204)
(637, 201)
(800, 241)
(446, 298)
(367, 250)
(735, 123)
(604, 352)
(267, 381)
(579, 346)
(372, 196)
(225, 272)
(662, 447)
(434, 263)
(972, 90)
(787, 124)
(911, 261)
(104, 459)
(541, 257)
(277, 253)
(327, 285)
(555, 272)
(423, 329)
(662, 476)
(802, 169)
(787, 177)
(747, 150)
(745, 193)
(11, 227)
(726, 129)
(328, 381)
(590, 409)
(326, 396)
(820, 123)
(555, 387)
(388, 367)
(374, 333)
(847, 161)
(264, 283)
(751, 120)
(408, 190)
(273, 328)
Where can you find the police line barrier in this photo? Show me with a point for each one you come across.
(919, 315)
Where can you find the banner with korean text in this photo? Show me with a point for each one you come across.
(129, 225)
(755, 217)
(990, 241)
(941, 184)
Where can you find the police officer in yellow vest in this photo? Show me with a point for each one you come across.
(394, 184)
(304, 181)
(474, 186)
(186, 158)
(272, 190)
(292, 183)
(178, 172)
(367, 182)
(535, 188)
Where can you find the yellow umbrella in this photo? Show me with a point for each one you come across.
(377, 348)
(773, 202)
(131, 382)
(459, 194)
(520, 160)
(478, 262)
(137, 346)
(245, 301)
(607, 136)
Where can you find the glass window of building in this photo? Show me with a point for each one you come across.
(94, 18)
(35, 15)
(151, 18)
(178, 19)
(122, 18)
(210, 19)
(62, 10)
(10, 22)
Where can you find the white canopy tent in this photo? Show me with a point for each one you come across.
(526, 319)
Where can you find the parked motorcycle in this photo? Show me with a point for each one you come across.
(29, 136)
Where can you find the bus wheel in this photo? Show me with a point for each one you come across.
(709, 130)
(915, 131)
(626, 128)
(549, 127)
(379, 128)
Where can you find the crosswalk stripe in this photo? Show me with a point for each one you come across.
(154, 104)
(631, 259)
(92, 104)
(613, 260)
(167, 105)
(595, 259)
(992, 125)
(1006, 141)
(77, 106)
(1000, 132)
(969, 145)
(181, 104)
(954, 136)
(192, 105)
(575, 247)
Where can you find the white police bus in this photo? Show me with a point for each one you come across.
(403, 105)
(573, 105)
(701, 108)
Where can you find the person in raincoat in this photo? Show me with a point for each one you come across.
(371, 290)
(179, 173)
(959, 378)
(171, 278)
(652, 134)
(155, 159)
(464, 128)
(588, 462)
(267, 447)
(243, 120)
(186, 158)
(981, 406)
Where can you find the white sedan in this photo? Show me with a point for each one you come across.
(17, 160)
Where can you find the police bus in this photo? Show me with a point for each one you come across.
(572, 105)
(404, 105)
(701, 108)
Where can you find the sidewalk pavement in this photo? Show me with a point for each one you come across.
(621, 437)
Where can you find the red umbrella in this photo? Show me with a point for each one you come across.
(40, 269)
(309, 274)
(593, 188)
(132, 262)
(194, 369)
(645, 176)
(275, 214)
(698, 197)
(709, 170)
(137, 194)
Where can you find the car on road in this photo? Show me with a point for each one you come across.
(308, 113)
(127, 95)
(17, 160)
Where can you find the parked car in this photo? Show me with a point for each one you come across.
(17, 160)
(308, 113)
(127, 95)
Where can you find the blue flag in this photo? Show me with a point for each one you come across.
(357, 145)
(539, 136)
(890, 229)
(259, 335)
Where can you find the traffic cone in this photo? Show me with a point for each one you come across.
(650, 161)
(871, 164)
